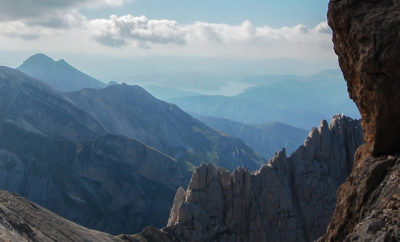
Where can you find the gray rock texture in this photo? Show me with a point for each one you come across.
(22, 220)
(366, 40)
(365, 36)
(290, 199)
(368, 205)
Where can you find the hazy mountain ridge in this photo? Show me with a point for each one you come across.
(297, 101)
(58, 74)
(165, 93)
(265, 139)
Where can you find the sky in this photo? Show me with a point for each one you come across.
(249, 36)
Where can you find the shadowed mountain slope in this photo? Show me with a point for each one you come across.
(112, 183)
(60, 157)
(36, 107)
(133, 112)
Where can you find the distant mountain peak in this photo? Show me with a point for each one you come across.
(39, 58)
(58, 74)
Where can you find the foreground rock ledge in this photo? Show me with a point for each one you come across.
(368, 202)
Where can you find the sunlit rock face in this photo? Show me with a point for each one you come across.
(366, 39)
(290, 199)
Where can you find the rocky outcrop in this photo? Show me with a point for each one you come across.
(365, 36)
(22, 220)
(366, 40)
(290, 199)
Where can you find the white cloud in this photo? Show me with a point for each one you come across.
(128, 35)
(141, 31)
(119, 31)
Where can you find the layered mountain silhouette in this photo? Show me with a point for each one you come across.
(297, 101)
(265, 139)
(58, 74)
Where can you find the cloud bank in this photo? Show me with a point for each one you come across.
(41, 24)
(141, 31)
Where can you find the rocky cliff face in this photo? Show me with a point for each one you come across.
(290, 199)
(368, 202)
(366, 40)
(365, 36)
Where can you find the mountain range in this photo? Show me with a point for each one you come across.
(131, 111)
(58, 156)
(293, 100)
(61, 152)
(108, 157)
